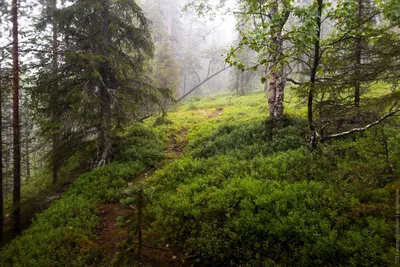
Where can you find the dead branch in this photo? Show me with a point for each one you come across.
(357, 130)
(200, 84)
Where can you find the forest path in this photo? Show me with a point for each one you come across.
(110, 234)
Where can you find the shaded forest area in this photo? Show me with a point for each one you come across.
(199, 133)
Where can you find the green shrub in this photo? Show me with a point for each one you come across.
(62, 235)
(140, 144)
(238, 198)
(250, 221)
(247, 140)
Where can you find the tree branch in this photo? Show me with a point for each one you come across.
(201, 83)
(356, 130)
(293, 81)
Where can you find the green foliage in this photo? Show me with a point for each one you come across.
(137, 197)
(64, 234)
(242, 195)
(249, 221)
(141, 144)
(246, 140)
(162, 120)
(100, 84)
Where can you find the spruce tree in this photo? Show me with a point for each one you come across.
(101, 82)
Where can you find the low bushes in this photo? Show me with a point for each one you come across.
(247, 140)
(64, 234)
(247, 221)
(237, 198)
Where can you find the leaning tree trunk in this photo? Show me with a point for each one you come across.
(16, 129)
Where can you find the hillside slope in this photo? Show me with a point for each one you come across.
(222, 189)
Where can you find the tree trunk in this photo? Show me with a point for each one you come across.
(55, 113)
(358, 51)
(27, 151)
(272, 88)
(16, 128)
(313, 76)
(280, 94)
(276, 82)
(1, 159)
(272, 68)
(200, 84)
(105, 98)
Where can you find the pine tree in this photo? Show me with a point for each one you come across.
(16, 126)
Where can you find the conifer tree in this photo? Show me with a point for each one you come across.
(101, 82)
(16, 126)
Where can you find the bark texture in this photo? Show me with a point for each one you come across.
(1, 161)
(16, 126)
(313, 76)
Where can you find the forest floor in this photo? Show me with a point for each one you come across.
(110, 234)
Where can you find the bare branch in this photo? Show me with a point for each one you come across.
(293, 81)
(357, 130)
(201, 83)
(198, 77)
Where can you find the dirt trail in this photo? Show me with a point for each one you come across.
(110, 234)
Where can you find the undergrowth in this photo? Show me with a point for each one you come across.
(65, 234)
(242, 195)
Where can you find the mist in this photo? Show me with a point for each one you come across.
(198, 45)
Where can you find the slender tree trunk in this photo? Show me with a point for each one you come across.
(272, 87)
(276, 83)
(55, 113)
(358, 50)
(16, 128)
(313, 76)
(27, 151)
(1, 158)
(273, 67)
